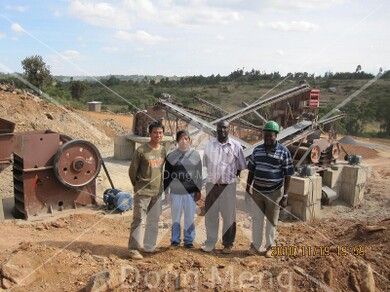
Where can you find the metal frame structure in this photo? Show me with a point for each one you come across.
(288, 136)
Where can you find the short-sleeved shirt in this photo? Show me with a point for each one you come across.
(270, 168)
(223, 160)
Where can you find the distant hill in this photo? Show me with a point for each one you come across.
(136, 78)
(368, 113)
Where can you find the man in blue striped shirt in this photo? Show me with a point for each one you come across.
(270, 168)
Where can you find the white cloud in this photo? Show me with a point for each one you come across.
(18, 8)
(303, 4)
(57, 13)
(110, 49)
(146, 38)
(201, 15)
(71, 55)
(141, 8)
(220, 37)
(139, 36)
(59, 63)
(120, 15)
(2, 35)
(290, 26)
(100, 14)
(124, 35)
(16, 27)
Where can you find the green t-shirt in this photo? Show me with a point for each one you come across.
(146, 170)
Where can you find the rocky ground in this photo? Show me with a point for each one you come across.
(86, 250)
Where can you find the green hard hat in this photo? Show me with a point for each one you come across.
(271, 126)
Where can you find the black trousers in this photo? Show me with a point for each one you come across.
(220, 199)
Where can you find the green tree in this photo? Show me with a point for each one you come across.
(112, 80)
(381, 111)
(77, 88)
(36, 71)
(358, 69)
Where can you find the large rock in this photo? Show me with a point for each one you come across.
(328, 277)
(104, 281)
(99, 282)
(17, 271)
(368, 283)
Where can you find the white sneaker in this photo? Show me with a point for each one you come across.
(150, 250)
(135, 254)
(207, 248)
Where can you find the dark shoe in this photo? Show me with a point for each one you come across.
(253, 250)
(175, 244)
(188, 245)
(227, 250)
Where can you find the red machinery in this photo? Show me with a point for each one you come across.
(314, 101)
(50, 171)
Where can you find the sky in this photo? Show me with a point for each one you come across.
(192, 37)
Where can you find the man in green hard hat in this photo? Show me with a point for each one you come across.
(270, 168)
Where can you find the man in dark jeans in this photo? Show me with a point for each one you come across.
(224, 159)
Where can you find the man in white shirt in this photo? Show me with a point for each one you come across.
(224, 160)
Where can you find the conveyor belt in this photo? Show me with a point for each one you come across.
(296, 132)
(196, 121)
(264, 102)
(224, 112)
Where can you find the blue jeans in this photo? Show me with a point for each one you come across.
(180, 203)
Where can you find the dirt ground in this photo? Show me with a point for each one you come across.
(71, 250)
(30, 112)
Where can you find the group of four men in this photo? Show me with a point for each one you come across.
(179, 174)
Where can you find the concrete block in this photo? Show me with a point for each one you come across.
(355, 174)
(123, 148)
(353, 184)
(306, 200)
(299, 185)
(332, 177)
(305, 212)
(352, 194)
(317, 186)
(306, 189)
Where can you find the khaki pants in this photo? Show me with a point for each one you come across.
(220, 199)
(264, 207)
(147, 209)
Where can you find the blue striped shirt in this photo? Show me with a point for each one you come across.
(270, 168)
